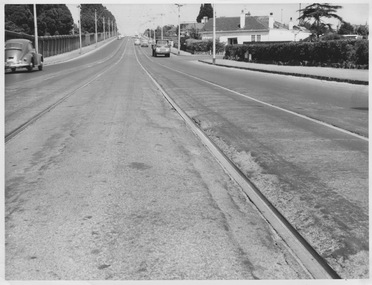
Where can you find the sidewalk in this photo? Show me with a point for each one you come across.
(67, 56)
(354, 76)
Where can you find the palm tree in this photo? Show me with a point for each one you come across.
(315, 12)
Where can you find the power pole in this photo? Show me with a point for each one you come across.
(79, 6)
(95, 24)
(214, 33)
(36, 35)
(104, 32)
(179, 28)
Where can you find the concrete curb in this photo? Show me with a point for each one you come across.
(328, 78)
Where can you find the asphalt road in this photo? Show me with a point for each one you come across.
(303, 142)
(111, 185)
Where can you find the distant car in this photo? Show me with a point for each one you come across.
(120, 37)
(137, 42)
(20, 53)
(144, 43)
(161, 47)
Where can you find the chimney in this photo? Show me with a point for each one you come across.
(242, 19)
(290, 24)
(271, 21)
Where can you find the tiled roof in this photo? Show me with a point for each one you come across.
(252, 23)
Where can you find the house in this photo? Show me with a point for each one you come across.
(247, 28)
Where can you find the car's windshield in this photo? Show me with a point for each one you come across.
(162, 43)
(13, 46)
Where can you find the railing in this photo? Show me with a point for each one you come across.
(53, 45)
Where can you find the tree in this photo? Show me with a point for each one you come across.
(88, 19)
(54, 20)
(206, 10)
(346, 29)
(362, 30)
(314, 15)
(51, 19)
(19, 18)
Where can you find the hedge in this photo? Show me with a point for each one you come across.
(201, 46)
(338, 53)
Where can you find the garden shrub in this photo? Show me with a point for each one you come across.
(335, 53)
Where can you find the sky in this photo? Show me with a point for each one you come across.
(132, 18)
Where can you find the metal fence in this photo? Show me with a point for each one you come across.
(53, 45)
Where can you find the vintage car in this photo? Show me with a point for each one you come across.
(20, 53)
(144, 43)
(137, 42)
(161, 47)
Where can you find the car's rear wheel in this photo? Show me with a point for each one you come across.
(31, 66)
(40, 67)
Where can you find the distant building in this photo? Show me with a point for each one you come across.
(247, 29)
(187, 28)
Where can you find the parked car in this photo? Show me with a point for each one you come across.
(161, 47)
(137, 42)
(20, 53)
(144, 43)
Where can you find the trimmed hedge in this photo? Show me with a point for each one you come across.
(201, 46)
(338, 53)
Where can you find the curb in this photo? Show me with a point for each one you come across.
(327, 78)
(74, 55)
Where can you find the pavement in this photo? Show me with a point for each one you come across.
(67, 56)
(353, 76)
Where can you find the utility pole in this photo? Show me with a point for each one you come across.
(95, 24)
(162, 26)
(214, 33)
(104, 32)
(179, 28)
(79, 6)
(36, 35)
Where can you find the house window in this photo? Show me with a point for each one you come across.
(258, 38)
(253, 38)
(233, 41)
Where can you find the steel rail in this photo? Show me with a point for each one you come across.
(308, 256)
(34, 118)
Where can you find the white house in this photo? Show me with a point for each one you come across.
(247, 28)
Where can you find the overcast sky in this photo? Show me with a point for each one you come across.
(137, 17)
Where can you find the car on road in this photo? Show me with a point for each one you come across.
(137, 42)
(161, 47)
(20, 53)
(144, 43)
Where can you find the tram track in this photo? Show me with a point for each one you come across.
(317, 267)
(17, 130)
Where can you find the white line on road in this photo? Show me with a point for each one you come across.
(271, 105)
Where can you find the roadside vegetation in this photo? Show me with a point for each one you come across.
(325, 47)
(351, 54)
